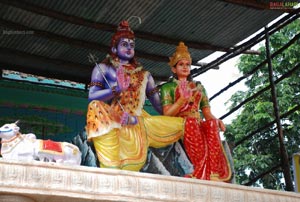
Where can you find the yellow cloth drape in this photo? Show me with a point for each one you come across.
(126, 147)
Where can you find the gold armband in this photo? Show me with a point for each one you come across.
(152, 92)
(114, 91)
(99, 84)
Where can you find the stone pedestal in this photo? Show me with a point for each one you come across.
(49, 182)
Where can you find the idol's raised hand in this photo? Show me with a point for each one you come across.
(185, 90)
(185, 94)
(122, 78)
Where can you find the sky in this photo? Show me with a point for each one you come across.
(215, 80)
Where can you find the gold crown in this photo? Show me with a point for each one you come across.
(181, 53)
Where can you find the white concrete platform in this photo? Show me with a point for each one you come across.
(49, 182)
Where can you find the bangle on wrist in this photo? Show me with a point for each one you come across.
(180, 102)
(177, 104)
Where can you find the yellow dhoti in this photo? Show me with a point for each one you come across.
(126, 147)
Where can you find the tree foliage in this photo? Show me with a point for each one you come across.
(261, 152)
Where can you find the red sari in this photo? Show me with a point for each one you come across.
(201, 138)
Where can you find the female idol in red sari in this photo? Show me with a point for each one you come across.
(183, 97)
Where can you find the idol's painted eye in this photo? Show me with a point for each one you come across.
(132, 45)
(184, 64)
(124, 44)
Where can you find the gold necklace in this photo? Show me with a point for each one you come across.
(116, 64)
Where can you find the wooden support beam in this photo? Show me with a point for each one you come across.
(40, 66)
(77, 42)
(81, 43)
(43, 66)
(108, 27)
(283, 152)
(260, 5)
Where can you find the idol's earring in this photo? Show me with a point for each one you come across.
(114, 50)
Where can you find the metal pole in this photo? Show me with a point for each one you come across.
(284, 156)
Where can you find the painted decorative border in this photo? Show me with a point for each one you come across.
(52, 182)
